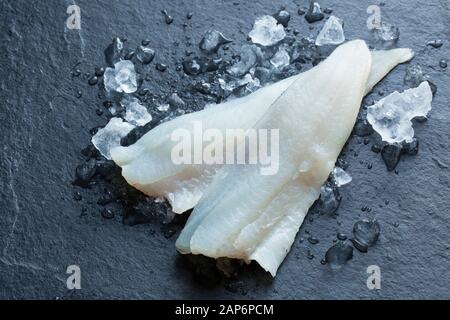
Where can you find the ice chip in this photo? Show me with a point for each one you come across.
(122, 78)
(339, 254)
(240, 87)
(136, 113)
(365, 234)
(109, 79)
(283, 17)
(266, 31)
(125, 76)
(329, 200)
(281, 59)
(391, 116)
(109, 137)
(145, 55)
(332, 32)
(387, 32)
(314, 12)
(341, 177)
(212, 40)
(249, 56)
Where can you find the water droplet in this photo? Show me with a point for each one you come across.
(341, 236)
(167, 18)
(365, 234)
(144, 55)
(376, 148)
(339, 254)
(161, 67)
(107, 213)
(93, 81)
(113, 52)
(314, 13)
(313, 240)
(436, 43)
(391, 154)
(282, 17)
(212, 40)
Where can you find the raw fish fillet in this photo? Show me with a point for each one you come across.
(146, 165)
(240, 213)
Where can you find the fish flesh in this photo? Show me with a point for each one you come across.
(240, 213)
(146, 165)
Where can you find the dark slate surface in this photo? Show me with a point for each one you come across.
(44, 127)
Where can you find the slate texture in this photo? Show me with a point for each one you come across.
(45, 125)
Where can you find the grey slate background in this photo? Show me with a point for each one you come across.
(44, 127)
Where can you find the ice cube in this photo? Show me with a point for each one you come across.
(212, 40)
(109, 137)
(266, 31)
(240, 87)
(332, 32)
(109, 79)
(136, 114)
(281, 59)
(387, 32)
(251, 83)
(365, 234)
(283, 17)
(122, 78)
(329, 200)
(341, 177)
(339, 254)
(145, 55)
(314, 12)
(248, 58)
(305, 51)
(391, 116)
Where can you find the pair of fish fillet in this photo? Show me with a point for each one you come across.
(240, 213)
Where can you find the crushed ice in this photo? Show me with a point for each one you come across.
(266, 31)
(109, 137)
(391, 116)
(121, 78)
(341, 177)
(332, 32)
(136, 113)
(281, 59)
(387, 32)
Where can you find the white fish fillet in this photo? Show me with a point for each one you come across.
(146, 165)
(241, 213)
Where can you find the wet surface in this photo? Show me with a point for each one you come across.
(49, 109)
